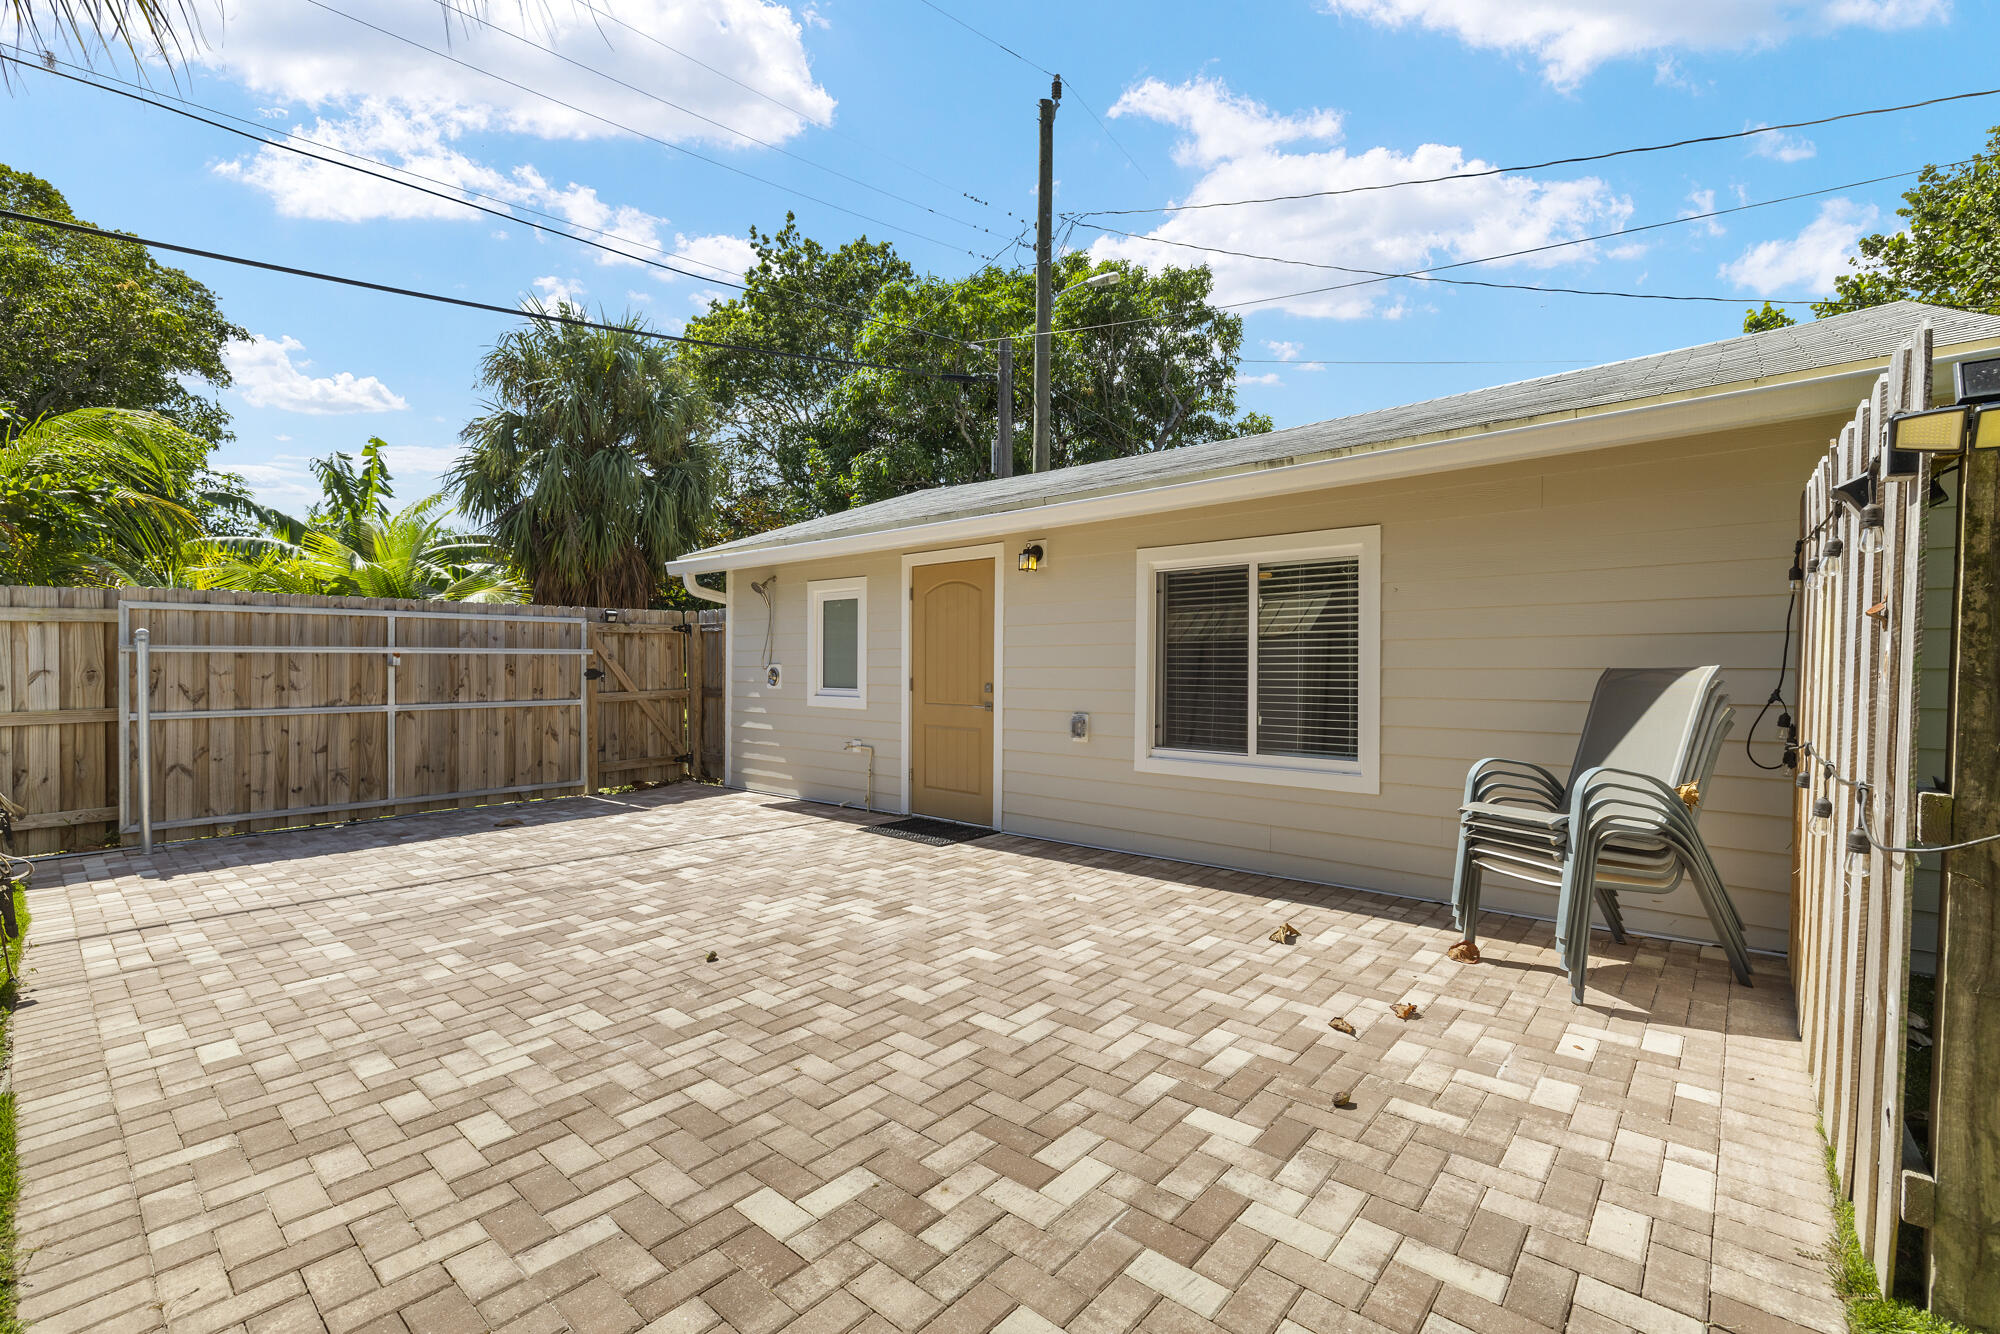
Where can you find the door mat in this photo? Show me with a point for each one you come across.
(923, 829)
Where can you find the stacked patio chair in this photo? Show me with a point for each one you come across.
(1623, 823)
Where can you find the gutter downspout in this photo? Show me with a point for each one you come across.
(687, 582)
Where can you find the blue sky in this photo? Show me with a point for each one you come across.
(892, 110)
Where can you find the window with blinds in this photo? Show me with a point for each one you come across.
(1291, 689)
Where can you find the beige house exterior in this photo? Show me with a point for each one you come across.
(1506, 548)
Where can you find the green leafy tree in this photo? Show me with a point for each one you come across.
(1770, 317)
(774, 412)
(100, 496)
(590, 468)
(95, 323)
(1948, 252)
(372, 554)
(1145, 364)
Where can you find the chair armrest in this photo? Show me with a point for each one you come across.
(1528, 784)
(1605, 795)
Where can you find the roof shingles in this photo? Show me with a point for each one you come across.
(1839, 340)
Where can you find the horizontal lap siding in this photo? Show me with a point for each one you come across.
(781, 743)
(1505, 592)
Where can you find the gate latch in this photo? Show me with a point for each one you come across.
(593, 673)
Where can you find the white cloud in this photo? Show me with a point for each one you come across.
(726, 256)
(1782, 147)
(1285, 351)
(1570, 38)
(1384, 230)
(418, 146)
(1219, 124)
(1808, 262)
(267, 377)
(1700, 202)
(415, 461)
(314, 56)
(1267, 378)
(560, 291)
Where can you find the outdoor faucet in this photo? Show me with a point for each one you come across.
(868, 801)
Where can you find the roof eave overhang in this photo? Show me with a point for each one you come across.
(1827, 393)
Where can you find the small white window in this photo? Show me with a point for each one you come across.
(1259, 660)
(837, 643)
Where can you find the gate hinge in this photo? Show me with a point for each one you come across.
(686, 758)
(1933, 817)
(593, 673)
(682, 629)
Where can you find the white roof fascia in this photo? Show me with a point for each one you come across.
(1596, 428)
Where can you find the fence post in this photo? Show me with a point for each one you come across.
(142, 643)
(1965, 1123)
(693, 651)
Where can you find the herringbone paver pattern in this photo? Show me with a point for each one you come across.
(456, 1073)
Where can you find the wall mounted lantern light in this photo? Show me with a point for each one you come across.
(1031, 557)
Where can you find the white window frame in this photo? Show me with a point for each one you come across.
(818, 593)
(1362, 774)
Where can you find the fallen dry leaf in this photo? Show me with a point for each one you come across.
(512, 823)
(1463, 952)
(713, 956)
(1341, 1099)
(1285, 934)
(1404, 1011)
(1341, 1026)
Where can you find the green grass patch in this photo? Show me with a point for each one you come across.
(1868, 1311)
(10, 1164)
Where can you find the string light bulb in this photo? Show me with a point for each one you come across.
(1871, 529)
(1812, 574)
(1858, 845)
(1822, 814)
(1829, 563)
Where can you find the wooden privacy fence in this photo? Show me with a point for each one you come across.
(261, 711)
(1862, 822)
(1860, 627)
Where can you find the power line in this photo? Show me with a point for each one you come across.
(505, 212)
(780, 103)
(1078, 220)
(991, 40)
(618, 125)
(706, 119)
(517, 312)
(1537, 166)
(1424, 275)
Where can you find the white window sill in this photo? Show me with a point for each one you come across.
(855, 701)
(1323, 777)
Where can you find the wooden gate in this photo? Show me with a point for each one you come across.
(1861, 632)
(649, 687)
(265, 711)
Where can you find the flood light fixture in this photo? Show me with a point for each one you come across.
(1936, 431)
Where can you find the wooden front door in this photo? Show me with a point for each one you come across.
(951, 691)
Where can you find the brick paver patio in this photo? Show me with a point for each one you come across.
(472, 1071)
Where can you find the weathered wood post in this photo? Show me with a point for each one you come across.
(1965, 1121)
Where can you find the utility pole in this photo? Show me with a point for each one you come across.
(1003, 437)
(1044, 282)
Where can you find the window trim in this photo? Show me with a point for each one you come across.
(1362, 774)
(818, 593)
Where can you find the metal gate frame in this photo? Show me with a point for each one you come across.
(139, 714)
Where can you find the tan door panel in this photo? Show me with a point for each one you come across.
(951, 713)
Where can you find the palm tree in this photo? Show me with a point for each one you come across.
(408, 554)
(99, 496)
(589, 468)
